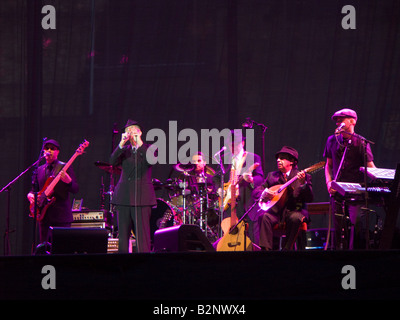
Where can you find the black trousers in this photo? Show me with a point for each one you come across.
(136, 219)
(267, 221)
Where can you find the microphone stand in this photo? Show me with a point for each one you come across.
(7, 188)
(35, 188)
(111, 187)
(249, 124)
(221, 195)
(365, 209)
(343, 204)
(245, 231)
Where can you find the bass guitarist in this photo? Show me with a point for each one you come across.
(59, 213)
(290, 210)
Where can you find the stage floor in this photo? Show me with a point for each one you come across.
(204, 276)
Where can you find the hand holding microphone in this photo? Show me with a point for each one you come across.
(124, 138)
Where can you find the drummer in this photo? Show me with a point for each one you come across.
(202, 173)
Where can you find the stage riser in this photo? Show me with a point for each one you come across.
(204, 276)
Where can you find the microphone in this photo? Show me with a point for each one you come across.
(248, 123)
(115, 130)
(46, 154)
(222, 150)
(338, 129)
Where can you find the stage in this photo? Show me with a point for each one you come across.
(204, 276)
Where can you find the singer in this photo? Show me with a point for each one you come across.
(345, 144)
(59, 214)
(134, 193)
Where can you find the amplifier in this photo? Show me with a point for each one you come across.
(89, 215)
(112, 246)
(89, 224)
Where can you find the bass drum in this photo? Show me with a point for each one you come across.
(162, 216)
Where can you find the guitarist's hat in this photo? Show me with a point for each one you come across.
(290, 151)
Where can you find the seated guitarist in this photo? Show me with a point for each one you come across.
(291, 210)
(59, 213)
(250, 178)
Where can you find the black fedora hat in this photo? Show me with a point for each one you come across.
(131, 122)
(290, 151)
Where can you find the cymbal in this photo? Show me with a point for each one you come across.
(107, 167)
(184, 167)
(210, 171)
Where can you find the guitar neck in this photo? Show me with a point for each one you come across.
(287, 184)
(51, 186)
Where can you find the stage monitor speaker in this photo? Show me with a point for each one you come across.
(182, 238)
(78, 240)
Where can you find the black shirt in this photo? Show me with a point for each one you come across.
(354, 159)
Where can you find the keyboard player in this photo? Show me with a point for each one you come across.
(345, 155)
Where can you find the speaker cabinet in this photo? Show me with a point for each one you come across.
(182, 238)
(78, 240)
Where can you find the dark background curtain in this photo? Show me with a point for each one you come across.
(203, 63)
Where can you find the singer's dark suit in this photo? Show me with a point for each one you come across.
(133, 196)
(59, 214)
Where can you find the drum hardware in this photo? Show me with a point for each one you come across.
(185, 169)
(107, 167)
(112, 170)
(157, 184)
(189, 200)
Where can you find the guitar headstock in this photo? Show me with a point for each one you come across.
(82, 147)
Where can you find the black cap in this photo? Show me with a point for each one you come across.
(53, 142)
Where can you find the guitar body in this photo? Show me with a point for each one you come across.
(280, 190)
(44, 202)
(235, 240)
(279, 198)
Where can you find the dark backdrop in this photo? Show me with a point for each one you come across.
(206, 64)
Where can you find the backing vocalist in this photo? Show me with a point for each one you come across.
(344, 144)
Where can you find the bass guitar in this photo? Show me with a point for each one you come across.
(279, 190)
(45, 196)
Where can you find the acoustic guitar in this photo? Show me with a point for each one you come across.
(45, 196)
(234, 238)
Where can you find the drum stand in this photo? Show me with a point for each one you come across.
(184, 189)
(203, 205)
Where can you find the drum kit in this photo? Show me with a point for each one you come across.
(187, 199)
